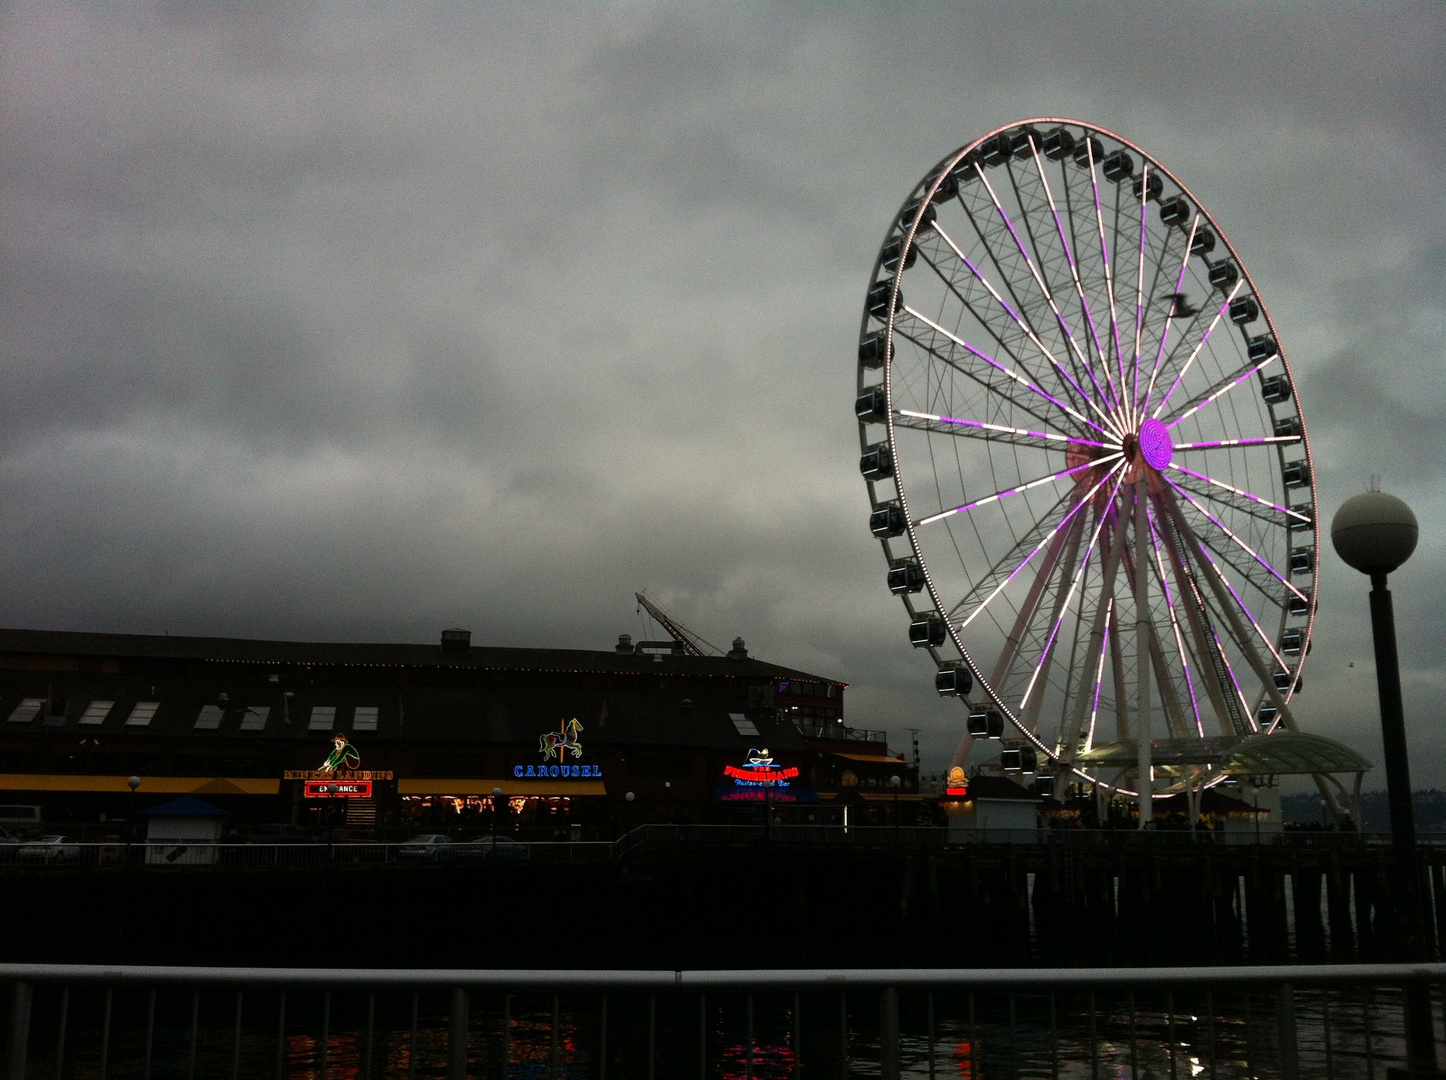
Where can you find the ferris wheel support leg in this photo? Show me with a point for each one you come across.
(1070, 732)
(1237, 628)
(1142, 652)
(1061, 594)
(1036, 591)
(1215, 688)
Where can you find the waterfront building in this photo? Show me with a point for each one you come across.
(307, 735)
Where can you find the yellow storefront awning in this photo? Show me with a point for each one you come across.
(150, 785)
(511, 787)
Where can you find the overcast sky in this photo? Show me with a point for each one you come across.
(349, 322)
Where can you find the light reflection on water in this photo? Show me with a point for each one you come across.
(1003, 1038)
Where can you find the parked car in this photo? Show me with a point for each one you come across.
(50, 849)
(427, 846)
(501, 848)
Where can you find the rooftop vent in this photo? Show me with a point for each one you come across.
(456, 641)
(625, 643)
(739, 650)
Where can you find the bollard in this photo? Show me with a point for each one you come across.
(889, 1033)
(19, 1030)
(457, 1039)
(1286, 1033)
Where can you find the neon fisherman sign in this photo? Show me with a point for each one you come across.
(760, 771)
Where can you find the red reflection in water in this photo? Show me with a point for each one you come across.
(769, 1062)
(964, 1058)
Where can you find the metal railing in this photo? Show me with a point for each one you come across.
(915, 837)
(1216, 1022)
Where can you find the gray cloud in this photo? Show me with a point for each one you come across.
(346, 323)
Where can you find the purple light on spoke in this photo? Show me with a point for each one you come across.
(1239, 693)
(1084, 501)
(1043, 288)
(1223, 390)
(1015, 490)
(1196, 352)
(1112, 397)
(1175, 625)
(1140, 288)
(1007, 371)
(1268, 643)
(1267, 440)
(1100, 676)
(1165, 334)
(1005, 429)
(1069, 599)
(1105, 257)
(1028, 330)
(1155, 444)
(1238, 542)
(1239, 491)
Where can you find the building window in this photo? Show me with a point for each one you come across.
(744, 725)
(323, 718)
(142, 714)
(96, 712)
(365, 718)
(209, 718)
(255, 717)
(27, 710)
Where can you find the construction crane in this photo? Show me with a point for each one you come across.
(691, 643)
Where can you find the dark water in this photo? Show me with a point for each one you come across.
(1338, 1033)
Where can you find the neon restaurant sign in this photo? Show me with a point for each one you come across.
(759, 771)
(559, 744)
(759, 779)
(338, 776)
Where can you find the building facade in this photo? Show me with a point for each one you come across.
(378, 737)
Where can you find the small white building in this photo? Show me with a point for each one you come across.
(996, 809)
(183, 832)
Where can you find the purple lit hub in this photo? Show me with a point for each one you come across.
(1155, 443)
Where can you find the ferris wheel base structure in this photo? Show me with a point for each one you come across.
(1089, 471)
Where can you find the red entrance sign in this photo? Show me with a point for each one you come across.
(345, 789)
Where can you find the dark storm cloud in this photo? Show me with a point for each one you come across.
(346, 322)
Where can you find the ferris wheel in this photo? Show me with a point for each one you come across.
(1086, 460)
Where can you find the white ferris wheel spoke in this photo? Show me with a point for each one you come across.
(1240, 491)
(1044, 289)
(979, 429)
(1109, 272)
(1010, 372)
(1225, 444)
(1196, 351)
(1175, 626)
(1064, 609)
(1238, 542)
(1113, 397)
(965, 507)
(1028, 332)
(1264, 637)
(1099, 679)
(1222, 391)
(1078, 506)
(1242, 640)
(1169, 314)
(1140, 292)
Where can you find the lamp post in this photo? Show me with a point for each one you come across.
(894, 783)
(331, 790)
(134, 783)
(1375, 533)
(628, 821)
(496, 813)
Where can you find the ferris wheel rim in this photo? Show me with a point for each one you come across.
(921, 198)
